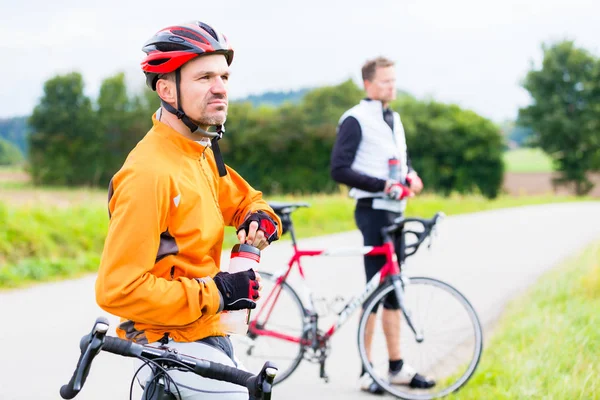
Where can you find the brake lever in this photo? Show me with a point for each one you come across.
(90, 350)
(98, 331)
(90, 346)
(265, 380)
(434, 229)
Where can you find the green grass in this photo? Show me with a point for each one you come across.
(547, 344)
(45, 243)
(527, 160)
(335, 213)
(41, 242)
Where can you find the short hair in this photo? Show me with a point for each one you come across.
(169, 76)
(368, 70)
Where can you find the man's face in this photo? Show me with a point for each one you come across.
(204, 89)
(383, 85)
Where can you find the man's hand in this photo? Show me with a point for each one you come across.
(239, 290)
(414, 182)
(258, 230)
(397, 191)
(255, 237)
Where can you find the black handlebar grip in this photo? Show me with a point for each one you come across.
(117, 345)
(222, 372)
(66, 391)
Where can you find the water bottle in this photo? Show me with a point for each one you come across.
(243, 257)
(394, 169)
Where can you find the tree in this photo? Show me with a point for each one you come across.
(327, 104)
(9, 153)
(452, 149)
(73, 144)
(64, 144)
(123, 121)
(565, 111)
(287, 149)
(113, 109)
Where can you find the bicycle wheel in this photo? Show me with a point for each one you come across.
(279, 311)
(451, 339)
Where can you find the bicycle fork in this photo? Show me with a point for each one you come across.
(399, 282)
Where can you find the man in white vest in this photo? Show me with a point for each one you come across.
(370, 144)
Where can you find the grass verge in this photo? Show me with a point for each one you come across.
(547, 344)
(39, 242)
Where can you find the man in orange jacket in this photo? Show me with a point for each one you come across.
(169, 204)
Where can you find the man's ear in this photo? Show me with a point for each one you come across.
(166, 91)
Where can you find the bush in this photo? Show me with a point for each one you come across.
(288, 149)
(454, 150)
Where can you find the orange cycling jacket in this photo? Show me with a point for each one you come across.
(168, 208)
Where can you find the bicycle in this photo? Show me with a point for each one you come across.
(162, 359)
(282, 318)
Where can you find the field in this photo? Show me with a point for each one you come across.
(530, 172)
(527, 160)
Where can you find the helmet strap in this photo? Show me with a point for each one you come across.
(214, 142)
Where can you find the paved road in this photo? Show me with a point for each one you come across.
(489, 256)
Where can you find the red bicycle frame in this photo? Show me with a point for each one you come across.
(391, 267)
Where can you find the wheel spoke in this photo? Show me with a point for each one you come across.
(285, 317)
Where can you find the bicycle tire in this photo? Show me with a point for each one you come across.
(466, 348)
(242, 345)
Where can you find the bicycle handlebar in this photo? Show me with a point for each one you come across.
(258, 386)
(428, 226)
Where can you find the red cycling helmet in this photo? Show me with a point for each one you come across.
(172, 47)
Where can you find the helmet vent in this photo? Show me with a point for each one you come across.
(208, 29)
(166, 46)
(189, 35)
(158, 62)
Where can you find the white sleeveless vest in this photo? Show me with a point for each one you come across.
(377, 146)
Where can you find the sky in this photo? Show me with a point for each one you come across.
(474, 53)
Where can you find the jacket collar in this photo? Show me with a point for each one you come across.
(187, 146)
(375, 105)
